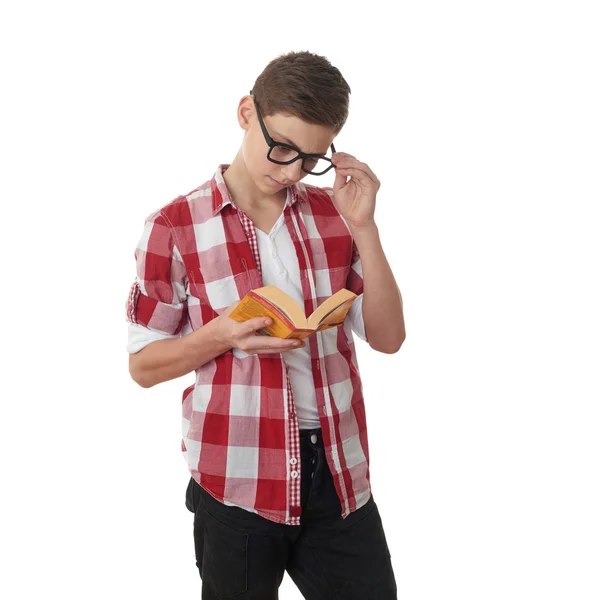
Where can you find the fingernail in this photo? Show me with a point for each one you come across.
(267, 321)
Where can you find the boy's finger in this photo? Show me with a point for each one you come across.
(253, 324)
(274, 343)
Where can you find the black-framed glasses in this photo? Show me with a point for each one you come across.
(284, 154)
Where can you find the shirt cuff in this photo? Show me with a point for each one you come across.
(139, 337)
(354, 318)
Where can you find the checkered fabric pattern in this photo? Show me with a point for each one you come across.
(197, 255)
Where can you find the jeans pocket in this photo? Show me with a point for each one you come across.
(225, 556)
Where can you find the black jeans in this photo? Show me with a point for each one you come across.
(242, 555)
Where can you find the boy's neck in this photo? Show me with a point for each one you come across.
(244, 192)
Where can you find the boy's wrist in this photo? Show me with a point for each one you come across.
(363, 230)
(212, 331)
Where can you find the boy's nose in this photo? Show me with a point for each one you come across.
(294, 171)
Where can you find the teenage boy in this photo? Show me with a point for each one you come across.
(274, 434)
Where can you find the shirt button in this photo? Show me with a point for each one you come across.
(294, 474)
(313, 438)
(293, 461)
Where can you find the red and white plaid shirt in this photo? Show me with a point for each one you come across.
(197, 256)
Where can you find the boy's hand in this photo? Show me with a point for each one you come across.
(354, 199)
(244, 336)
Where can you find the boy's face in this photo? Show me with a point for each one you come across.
(270, 177)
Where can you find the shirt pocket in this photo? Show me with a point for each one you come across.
(331, 272)
(337, 278)
(216, 286)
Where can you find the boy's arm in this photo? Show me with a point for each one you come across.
(158, 303)
(382, 302)
(371, 276)
(163, 360)
(157, 299)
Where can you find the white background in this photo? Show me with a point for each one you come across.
(481, 121)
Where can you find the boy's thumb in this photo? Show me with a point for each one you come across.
(258, 323)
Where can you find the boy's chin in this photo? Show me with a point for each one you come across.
(273, 185)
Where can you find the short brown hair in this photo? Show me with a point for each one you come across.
(306, 86)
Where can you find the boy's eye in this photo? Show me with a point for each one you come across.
(282, 153)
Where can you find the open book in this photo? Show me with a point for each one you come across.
(289, 320)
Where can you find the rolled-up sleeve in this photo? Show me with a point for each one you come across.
(157, 299)
(139, 337)
(354, 283)
(355, 319)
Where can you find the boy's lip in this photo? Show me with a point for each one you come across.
(278, 183)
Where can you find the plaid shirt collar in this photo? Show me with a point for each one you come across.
(222, 197)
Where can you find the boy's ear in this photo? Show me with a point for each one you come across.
(245, 112)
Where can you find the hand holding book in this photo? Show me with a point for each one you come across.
(242, 335)
(288, 318)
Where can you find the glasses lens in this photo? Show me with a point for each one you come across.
(282, 154)
(317, 166)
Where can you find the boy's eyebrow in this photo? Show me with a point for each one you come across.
(288, 141)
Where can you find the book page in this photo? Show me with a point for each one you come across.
(333, 310)
(336, 316)
(288, 306)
